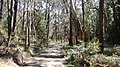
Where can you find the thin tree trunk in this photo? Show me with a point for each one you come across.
(27, 29)
(15, 14)
(34, 24)
(113, 7)
(83, 12)
(10, 13)
(30, 21)
(1, 9)
(26, 38)
(71, 33)
(46, 11)
(48, 21)
(23, 16)
(47, 17)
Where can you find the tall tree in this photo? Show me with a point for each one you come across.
(10, 13)
(27, 30)
(71, 32)
(46, 11)
(47, 16)
(83, 21)
(48, 19)
(23, 22)
(15, 14)
(1, 9)
(101, 38)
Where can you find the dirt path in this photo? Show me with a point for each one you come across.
(51, 57)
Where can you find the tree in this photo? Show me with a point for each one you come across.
(1, 9)
(83, 12)
(10, 13)
(101, 39)
(15, 14)
(23, 22)
(71, 33)
(48, 19)
(47, 16)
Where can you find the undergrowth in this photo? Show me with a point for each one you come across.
(86, 55)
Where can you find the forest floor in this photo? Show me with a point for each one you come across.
(50, 57)
(55, 56)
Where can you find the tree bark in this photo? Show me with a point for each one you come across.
(15, 14)
(10, 13)
(46, 11)
(48, 21)
(83, 27)
(113, 7)
(71, 33)
(27, 42)
(1, 9)
(47, 17)
(23, 22)
(101, 40)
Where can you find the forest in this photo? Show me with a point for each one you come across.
(59, 33)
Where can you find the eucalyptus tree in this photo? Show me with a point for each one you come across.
(11, 18)
(1, 9)
(101, 39)
(15, 14)
(83, 20)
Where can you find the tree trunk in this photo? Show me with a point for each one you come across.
(101, 9)
(46, 11)
(23, 22)
(48, 21)
(48, 17)
(10, 13)
(1, 9)
(15, 14)
(83, 27)
(71, 33)
(27, 29)
(113, 7)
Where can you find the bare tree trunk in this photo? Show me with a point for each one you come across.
(34, 24)
(15, 14)
(46, 11)
(83, 12)
(10, 13)
(26, 38)
(71, 33)
(47, 17)
(23, 16)
(27, 29)
(101, 9)
(78, 30)
(1, 9)
(30, 21)
(113, 7)
(48, 21)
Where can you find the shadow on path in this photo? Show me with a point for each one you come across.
(51, 57)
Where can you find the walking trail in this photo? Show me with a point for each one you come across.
(51, 57)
